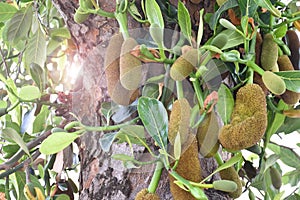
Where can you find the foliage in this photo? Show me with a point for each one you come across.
(33, 62)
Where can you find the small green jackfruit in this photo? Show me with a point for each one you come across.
(289, 97)
(225, 185)
(189, 168)
(275, 178)
(116, 91)
(274, 83)
(184, 65)
(145, 195)
(269, 52)
(294, 45)
(179, 120)
(220, 40)
(207, 135)
(79, 16)
(232, 175)
(130, 66)
(248, 120)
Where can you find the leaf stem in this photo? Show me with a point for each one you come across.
(199, 93)
(156, 177)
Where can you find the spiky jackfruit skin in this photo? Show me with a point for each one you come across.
(289, 97)
(116, 91)
(269, 52)
(189, 168)
(294, 45)
(184, 65)
(145, 195)
(130, 66)
(207, 135)
(179, 120)
(232, 175)
(248, 120)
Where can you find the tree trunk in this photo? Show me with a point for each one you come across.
(100, 176)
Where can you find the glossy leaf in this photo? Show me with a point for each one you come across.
(280, 31)
(11, 134)
(36, 49)
(291, 79)
(40, 121)
(267, 4)
(19, 26)
(155, 119)
(225, 103)
(215, 18)
(287, 156)
(227, 164)
(150, 90)
(248, 7)
(184, 21)
(56, 142)
(6, 11)
(154, 13)
(271, 160)
(29, 92)
(234, 39)
(292, 177)
(61, 32)
(38, 75)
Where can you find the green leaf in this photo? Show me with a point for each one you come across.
(279, 196)
(290, 124)
(292, 177)
(271, 160)
(287, 155)
(134, 133)
(267, 4)
(291, 79)
(248, 7)
(38, 75)
(36, 49)
(40, 121)
(11, 134)
(215, 18)
(225, 103)
(62, 197)
(154, 13)
(107, 140)
(226, 165)
(29, 93)
(234, 39)
(6, 11)
(280, 31)
(184, 21)
(61, 32)
(19, 26)
(277, 121)
(122, 157)
(200, 29)
(150, 90)
(155, 119)
(56, 142)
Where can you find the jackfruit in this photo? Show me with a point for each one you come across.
(258, 47)
(145, 195)
(207, 135)
(189, 168)
(179, 120)
(232, 175)
(248, 120)
(225, 185)
(289, 97)
(116, 91)
(269, 52)
(294, 45)
(130, 66)
(184, 65)
(275, 178)
(274, 83)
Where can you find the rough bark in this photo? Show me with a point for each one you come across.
(100, 176)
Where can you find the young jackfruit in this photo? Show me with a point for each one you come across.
(189, 168)
(269, 52)
(275, 178)
(184, 65)
(232, 175)
(248, 120)
(179, 120)
(116, 91)
(258, 47)
(130, 66)
(207, 135)
(145, 195)
(289, 97)
(294, 45)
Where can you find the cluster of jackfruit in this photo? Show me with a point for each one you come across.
(122, 70)
(145, 195)
(248, 120)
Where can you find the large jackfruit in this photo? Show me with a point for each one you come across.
(248, 120)
(269, 52)
(145, 195)
(189, 168)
